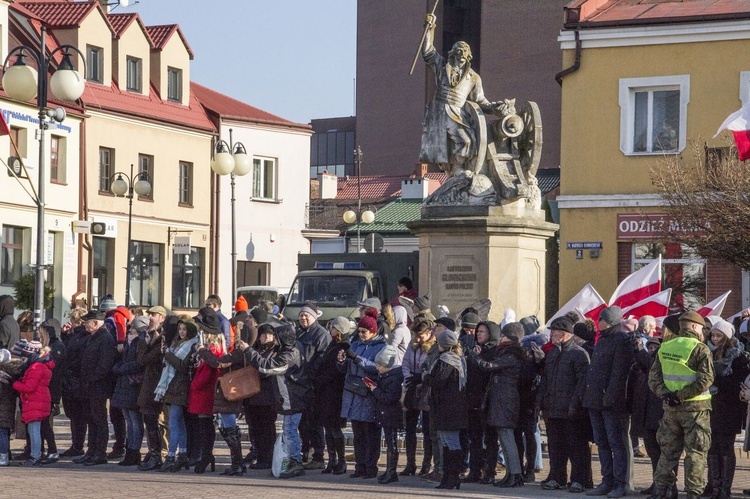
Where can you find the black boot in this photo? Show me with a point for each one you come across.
(390, 474)
(410, 442)
(514, 480)
(180, 461)
(332, 460)
(153, 458)
(205, 442)
(728, 465)
(340, 445)
(424, 471)
(232, 438)
(168, 464)
(132, 458)
(714, 476)
(452, 465)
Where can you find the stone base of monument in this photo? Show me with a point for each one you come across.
(468, 253)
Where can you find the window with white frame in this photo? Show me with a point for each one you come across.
(264, 178)
(653, 114)
(11, 265)
(134, 72)
(682, 269)
(95, 64)
(57, 156)
(174, 84)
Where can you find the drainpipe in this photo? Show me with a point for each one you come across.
(577, 64)
(83, 209)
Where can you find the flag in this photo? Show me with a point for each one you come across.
(656, 305)
(587, 303)
(4, 130)
(716, 307)
(639, 285)
(739, 124)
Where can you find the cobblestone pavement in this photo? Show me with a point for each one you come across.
(65, 479)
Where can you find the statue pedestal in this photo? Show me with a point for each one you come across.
(468, 253)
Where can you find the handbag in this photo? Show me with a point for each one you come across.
(357, 387)
(280, 462)
(240, 384)
(423, 397)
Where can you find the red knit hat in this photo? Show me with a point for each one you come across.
(369, 323)
(240, 305)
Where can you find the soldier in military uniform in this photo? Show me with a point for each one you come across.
(681, 376)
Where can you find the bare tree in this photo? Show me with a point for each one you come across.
(708, 196)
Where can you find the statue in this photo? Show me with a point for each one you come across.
(487, 164)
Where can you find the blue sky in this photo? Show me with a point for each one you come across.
(293, 58)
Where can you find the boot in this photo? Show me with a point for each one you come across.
(232, 438)
(180, 461)
(153, 458)
(295, 469)
(728, 465)
(444, 475)
(714, 476)
(390, 474)
(205, 442)
(132, 458)
(340, 445)
(332, 460)
(168, 464)
(152, 462)
(424, 471)
(452, 464)
(410, 442)
(514, 480)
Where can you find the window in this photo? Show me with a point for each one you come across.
(332, 151)
(134, 73)
(12, 261)
(653, 114)
(683, 270)
(174, 84)
(146, 165)
(187, 279)
(103, 268)
(57, 155)
(145, 274)
(106, 168)
(253, 273)
(264, 178)
(186, 183)
(95, 63)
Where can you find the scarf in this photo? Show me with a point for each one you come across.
(723, 367)
(167, 374)
(459, 363)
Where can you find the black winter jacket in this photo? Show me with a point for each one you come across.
(647, 409)
(266, 395)
(606, 380)
(728, 411)
(75, 343)
(311, 343)
(150, 357)
(329, 387)
(10, 332)
(503, 401)
(388, 397)
(447, 402)
(564, 381)
(129, 377)
(97, 360)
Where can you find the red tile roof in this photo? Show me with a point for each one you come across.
(62, 14)
(601, 13)
(160, 35)
(381, 186)
(228, 108)
(121, 22)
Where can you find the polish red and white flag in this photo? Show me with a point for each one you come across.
(656, 305)
(638, 286)
(739, 124)
(716, 307)
(586, 302)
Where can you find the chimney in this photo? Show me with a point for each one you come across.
(327, 185)
(420, 170)
(414, 188)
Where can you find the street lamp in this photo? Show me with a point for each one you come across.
(138, 183)
(366, 216)
(236, 163)
(22, 83)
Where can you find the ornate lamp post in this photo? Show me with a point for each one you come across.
(22, 83)
(138, 183)
(237, 163)
(360, 216)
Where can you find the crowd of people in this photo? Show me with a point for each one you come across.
(476, 390)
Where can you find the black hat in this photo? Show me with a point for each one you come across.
(671, 322)
(562, 324)
(530, 324)
(259, 314)
(513, 331)
(94, 314)
(583, 331)
(208, 321)
(447, 322)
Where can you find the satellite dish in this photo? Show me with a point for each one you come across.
(374, 243)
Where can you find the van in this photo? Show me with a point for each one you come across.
(255, 294)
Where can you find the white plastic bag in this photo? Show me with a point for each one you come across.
(280, 461)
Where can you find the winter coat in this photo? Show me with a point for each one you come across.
(287, 399)
(311, 343)
(150, 358)
(388, 397)
(647, 409)
(329, 387)
(75, 343)
(412, 367)
(503, 402)
(606, 379)
(129, 378)
(117, 324)
(479, 379)
(354, 406)
(213, 359)
(57, 352)
(10, 332)
(266, 396)
(179, 388)
(728, 411)
(203, 384)
(33, 387)
(8, 394)
(447, 402)
(400, 336)
(564, 382)
(97, 360)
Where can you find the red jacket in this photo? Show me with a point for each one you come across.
(201, 395)
(117, 323)
(36, 402)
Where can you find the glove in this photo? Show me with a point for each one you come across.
(671, 399)
(350, 353)
(5, 377)
(537, 352)
(608, 401)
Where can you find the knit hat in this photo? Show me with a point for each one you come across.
(470, 320)
(387, 356)
(373, 302)
(140, 324)
(259, 314)
(629, 325)
(241, 304)
(311, 308)
(369, 323)
(693, 317)
(107, 304)
(724, 327)
(24, 348)
(671, 322)
(447, 322)
(265, 329)
(4, 356)
(611, 315)
(563, 324)
(513, 331)
(341, 324)
(422, 302)
(447, 339)
(93, 315)
(583, 331)
(713, 319)
(530, 324)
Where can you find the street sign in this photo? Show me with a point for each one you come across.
(81, 226)
(584, 245)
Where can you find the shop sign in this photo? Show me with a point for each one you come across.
(647, 226)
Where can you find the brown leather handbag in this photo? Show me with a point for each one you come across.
(240, 384)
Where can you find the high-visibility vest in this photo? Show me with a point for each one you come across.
(673, 356)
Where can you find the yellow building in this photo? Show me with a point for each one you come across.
(640, 82)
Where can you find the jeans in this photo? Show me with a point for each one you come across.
(450, 439)
(608, 435)
(177, 430)
(291, 432)
(35, 435)
(134, 423)
(227, 420)
(4, 440)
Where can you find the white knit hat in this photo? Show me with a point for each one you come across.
(724, 327)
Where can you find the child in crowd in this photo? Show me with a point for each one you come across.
(390, 415)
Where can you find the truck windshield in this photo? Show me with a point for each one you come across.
(254, 297)
(333, 291)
